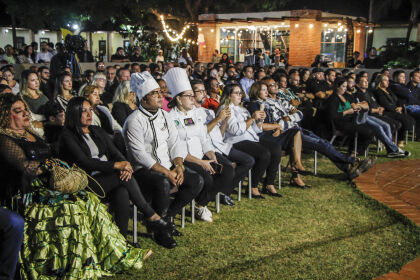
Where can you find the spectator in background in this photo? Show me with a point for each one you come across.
(225, 59)
(247, 80)
(29, 89)
(136, 56)
(199, 71)
(100, 66)
(9, 56)
(216, 56)
(63, 90)
(213, 89)
(111, 78)
(354, 61)
(87, 76)
(319, 61)
(185, 57)
(135, 68)
(119, 56)
(165, 93)
(9, 76)
(123, 74)
(55, 118)
(373, 61)
(28, 57)
(160, 57)
(85, 55)
(34, 46)
(45, 55)
(124, 102)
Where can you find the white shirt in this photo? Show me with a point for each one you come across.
(44, 56)
(236, 130)
(16, 89)
(192, 132)
(215, 134)
(152, 138)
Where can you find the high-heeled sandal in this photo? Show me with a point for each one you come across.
(293, 183)
(266, 191)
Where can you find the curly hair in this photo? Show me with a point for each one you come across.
(6, 102)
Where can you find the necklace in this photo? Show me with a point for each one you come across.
(13, 133)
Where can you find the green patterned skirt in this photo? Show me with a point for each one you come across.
(73, 237)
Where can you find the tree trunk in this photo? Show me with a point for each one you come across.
(14, 30)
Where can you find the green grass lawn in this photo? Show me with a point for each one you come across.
(331, 231)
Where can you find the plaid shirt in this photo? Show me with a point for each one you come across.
(277, 109)
(287, 94)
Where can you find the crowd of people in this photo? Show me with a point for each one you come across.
(159, 135)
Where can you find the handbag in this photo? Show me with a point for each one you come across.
(69, 180)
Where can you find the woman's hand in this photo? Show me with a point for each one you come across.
(125, 175)
(207, 166)
(123, 166)
(258, 115)
(398, 110)
(277, 132)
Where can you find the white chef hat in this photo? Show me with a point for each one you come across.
(143, 83)
(177, 81)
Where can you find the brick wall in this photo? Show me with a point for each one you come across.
(360, 41)
(206, 51)
(305, 42)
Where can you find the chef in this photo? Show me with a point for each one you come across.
(216, 170)
(157, 154)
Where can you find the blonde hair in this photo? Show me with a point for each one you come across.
(24, 83)
(97, 76)
(122, 93)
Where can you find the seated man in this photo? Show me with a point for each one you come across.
(53, 127)
(154, 150)
(11, 232)
(282, 112)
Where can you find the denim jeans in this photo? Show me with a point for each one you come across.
(414, 110)
(11, 236)
(310, 141)
(385, 134)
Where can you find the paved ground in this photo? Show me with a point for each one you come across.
(396, 184)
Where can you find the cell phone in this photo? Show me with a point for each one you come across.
(217, 167)
(261, 107)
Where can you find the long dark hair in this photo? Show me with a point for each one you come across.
(58, 89)
(73, 116)
(227, 91)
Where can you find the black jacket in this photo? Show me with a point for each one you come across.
(75, 150)
(388, 101)
(120, 112)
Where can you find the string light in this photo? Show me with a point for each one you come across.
(166, 30)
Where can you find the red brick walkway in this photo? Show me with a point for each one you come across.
(396, 184)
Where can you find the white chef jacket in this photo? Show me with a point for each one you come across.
(194, 136)
(215, 134)
(152, 138)
(236, 130)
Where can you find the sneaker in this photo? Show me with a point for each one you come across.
(203, 213)
(399, 154)
(353, 171)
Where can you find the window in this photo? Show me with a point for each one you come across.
(333, 44)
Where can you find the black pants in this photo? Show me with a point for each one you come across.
(215, 183)
(244, 162)
(262, 157)
(407, 122)
(365, 134)
(120, 193)
(156, 188)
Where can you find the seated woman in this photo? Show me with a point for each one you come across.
(344, 118)
(66, 235)
(157, 155)
(63, 90)
(9, 76)
(193, 135)
(242, 133)
(393, 107)
(285, 138)
(91, 148)
(124, 103)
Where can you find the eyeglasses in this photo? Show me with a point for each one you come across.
(237, 92)
(155, 93)
(191, 97)
(272, 85)
(202, 90)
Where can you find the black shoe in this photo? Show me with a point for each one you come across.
(165, 239)
(294, 184)
(158, 225)
(266, 191)
(257, 196)
(304, 172)
(226, 200)
(173, 229)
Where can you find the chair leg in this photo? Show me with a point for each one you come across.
(192, 211)
(183, 217)
(218, 202)
(413, 134)
(280, 175)
(332, 139)
(315, 162)
(249, 185)
(396, 137)
(355, 144)
(134, 224)
(377, 145)
(239, 191)
(406, 137)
